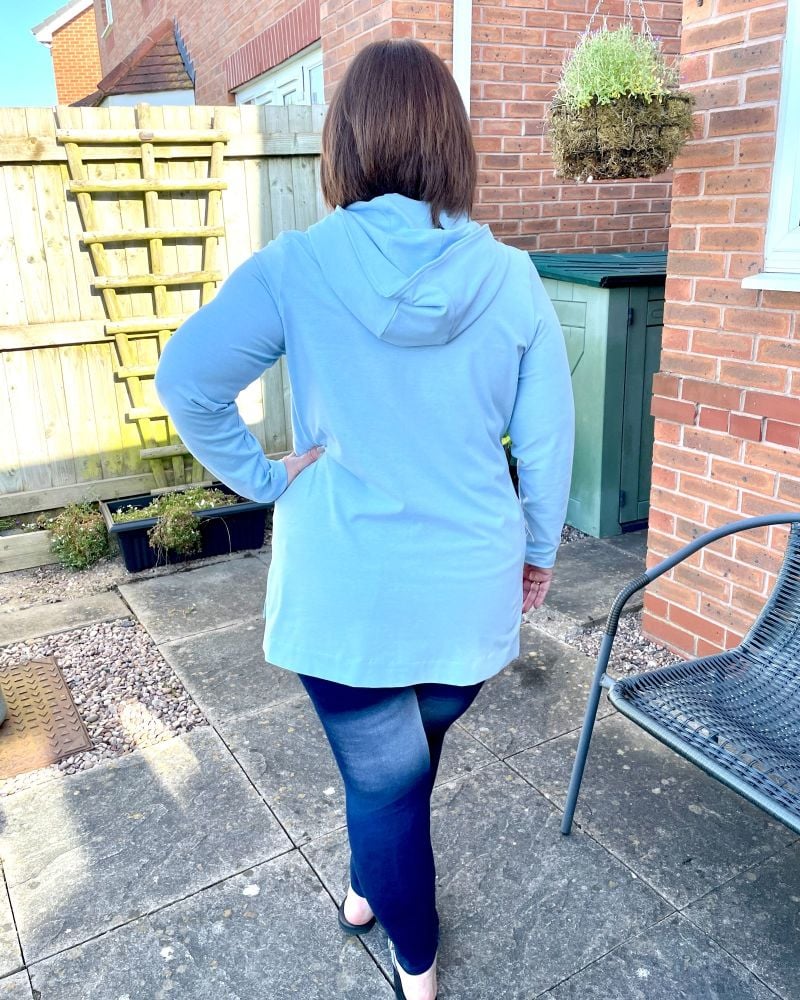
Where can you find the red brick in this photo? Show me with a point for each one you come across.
(723, 397)
(678, 458)
(695, 211)
(756, 556)
(675, 638)
(731, 238)
(678, 361)
(713, 420)
(764, 87)
(758, 321)
(763, 376)
(722, 345)
(742, 476)
(742, 121)
(692, 315)
(774, 457)
(780, 433)
(779, 352)
(745, 427)
(710, 443)
(736, 572)
(768, 22)
(697, 625)
(700, 37)
(666, 385)
(705, 489)
(707, 265)
(753, 180)
(703, 583)
(784, 408)
(724, 293)
(746, 58)
(675, 503)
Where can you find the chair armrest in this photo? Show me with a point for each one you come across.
(683, 553)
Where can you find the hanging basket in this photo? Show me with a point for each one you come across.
(626, 138)
(617, 111)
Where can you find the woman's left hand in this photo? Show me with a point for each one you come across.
(296, 463)
(535, 584)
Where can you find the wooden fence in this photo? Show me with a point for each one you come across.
(70, 427)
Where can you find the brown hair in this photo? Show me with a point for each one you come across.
(397, 124)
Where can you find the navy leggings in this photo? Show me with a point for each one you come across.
(387, 743)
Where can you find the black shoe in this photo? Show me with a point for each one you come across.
(349, 928)
(398, 986)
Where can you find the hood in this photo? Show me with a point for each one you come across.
(410, 284)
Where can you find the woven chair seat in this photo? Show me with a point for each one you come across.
(736, 714)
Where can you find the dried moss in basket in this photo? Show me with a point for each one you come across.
(617, 111)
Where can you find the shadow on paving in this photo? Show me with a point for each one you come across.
(176, 871)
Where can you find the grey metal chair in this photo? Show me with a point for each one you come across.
(736, 714)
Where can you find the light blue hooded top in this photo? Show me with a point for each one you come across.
(412, 350)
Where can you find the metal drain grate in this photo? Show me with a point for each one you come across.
(43, 724)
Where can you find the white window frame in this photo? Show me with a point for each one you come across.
(283, 79)
(782, 241)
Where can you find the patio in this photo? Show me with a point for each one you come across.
(210, 865)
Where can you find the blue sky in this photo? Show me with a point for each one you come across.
(26, 69)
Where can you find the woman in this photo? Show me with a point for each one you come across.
(402, 558)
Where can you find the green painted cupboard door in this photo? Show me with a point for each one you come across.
(646, 320)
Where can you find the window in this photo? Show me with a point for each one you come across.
(782, 244)
(296, 81)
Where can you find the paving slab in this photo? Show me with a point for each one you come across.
(287, 756)
(10, 957)
(588, 576)
(756, 917)
(632, 542)
(521, 907)
(90, 851)
(673, 825)
(538, 696)
(226, 673)
(268, 933)
(16, 987)
(673, 959)
(46, 619)
(195, 600)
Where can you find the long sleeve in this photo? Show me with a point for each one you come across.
(542, 430)
(215, 354)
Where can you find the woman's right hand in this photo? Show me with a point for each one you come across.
(296, 463)
(535, 584)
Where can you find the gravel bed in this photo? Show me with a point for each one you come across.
(125, 691)
(24, 588)
(633, 652)
(570, 534)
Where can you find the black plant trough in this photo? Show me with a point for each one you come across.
(224, 529)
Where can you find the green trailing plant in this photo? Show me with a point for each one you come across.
(617, 111)
(608, 65)
(176, 528)
(78, 536)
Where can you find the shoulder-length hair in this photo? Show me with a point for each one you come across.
(397, 124)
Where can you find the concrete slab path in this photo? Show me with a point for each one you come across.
(211, 865)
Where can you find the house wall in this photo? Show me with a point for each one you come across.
(727, 399)
(518, 49)
(228, 41)
(517, 52)
(76, 58)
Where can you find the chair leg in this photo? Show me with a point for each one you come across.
(586, 733)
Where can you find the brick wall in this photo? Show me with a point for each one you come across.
(518, 48)
(220, 37)
(76, 59)
(727, 400)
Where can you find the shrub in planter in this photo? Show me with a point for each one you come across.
(179, 525)
(78, 536)
(617, 111)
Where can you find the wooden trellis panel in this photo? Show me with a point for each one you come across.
(170, 463)
(69, 427)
